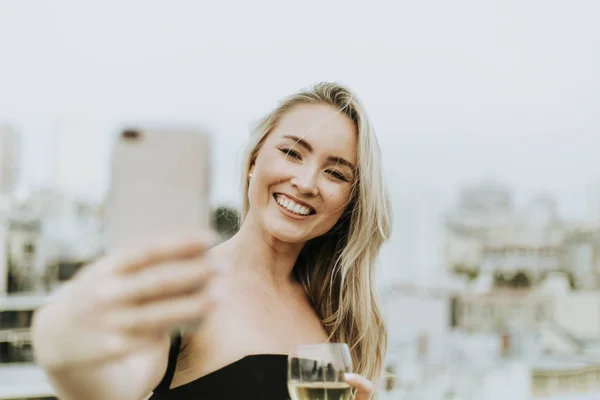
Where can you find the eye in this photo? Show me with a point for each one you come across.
(290, 153)
(337, 175)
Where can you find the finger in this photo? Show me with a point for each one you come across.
(174, 249)
(160, 281)
(364, 387)
(165, 314)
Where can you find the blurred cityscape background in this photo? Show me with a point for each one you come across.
(488, 118)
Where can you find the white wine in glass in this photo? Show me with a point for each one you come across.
(316, 372)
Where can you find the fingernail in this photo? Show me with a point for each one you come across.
(348, 376)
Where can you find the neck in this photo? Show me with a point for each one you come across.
(251, 252)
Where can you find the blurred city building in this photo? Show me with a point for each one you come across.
(486, 235)
(414, 254)
(524, 321)
(10, 157)
(500, 344)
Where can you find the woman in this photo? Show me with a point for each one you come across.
(299, 270)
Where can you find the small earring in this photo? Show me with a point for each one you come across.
(250, 175)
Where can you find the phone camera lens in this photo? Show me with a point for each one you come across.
(131, 134)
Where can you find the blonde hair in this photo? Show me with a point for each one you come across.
(337, 269)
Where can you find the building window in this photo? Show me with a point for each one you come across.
(66, 269)
(15, 319)
(28, 248)
(454, 312)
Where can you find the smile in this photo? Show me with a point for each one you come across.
(292, 206)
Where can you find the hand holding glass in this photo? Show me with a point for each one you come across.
(316, 372)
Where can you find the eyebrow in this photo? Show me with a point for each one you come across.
(308, 147)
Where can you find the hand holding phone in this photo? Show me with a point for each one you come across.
(120, 310)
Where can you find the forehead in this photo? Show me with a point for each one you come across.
(323, 127)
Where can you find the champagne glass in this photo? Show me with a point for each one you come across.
(316, 372)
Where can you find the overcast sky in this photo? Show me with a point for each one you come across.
(457, 90)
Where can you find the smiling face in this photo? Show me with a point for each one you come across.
(303, 174)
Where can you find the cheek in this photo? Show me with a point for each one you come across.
(256, 192)
(263, 179)
(272, 170)
(256, 184)
(336, 201)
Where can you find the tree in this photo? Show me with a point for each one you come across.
(226, 221)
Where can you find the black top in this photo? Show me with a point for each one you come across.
(254, 377)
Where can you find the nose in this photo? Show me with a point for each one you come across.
(306, 182)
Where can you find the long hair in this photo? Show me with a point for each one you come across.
(337, 269)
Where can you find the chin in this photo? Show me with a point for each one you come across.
(290, 237)
(286, 234)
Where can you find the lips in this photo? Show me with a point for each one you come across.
(294, 206)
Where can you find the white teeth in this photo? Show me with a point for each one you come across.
(292, 206)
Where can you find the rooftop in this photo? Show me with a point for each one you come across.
(26, 301)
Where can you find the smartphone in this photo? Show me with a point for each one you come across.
(159, 185)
